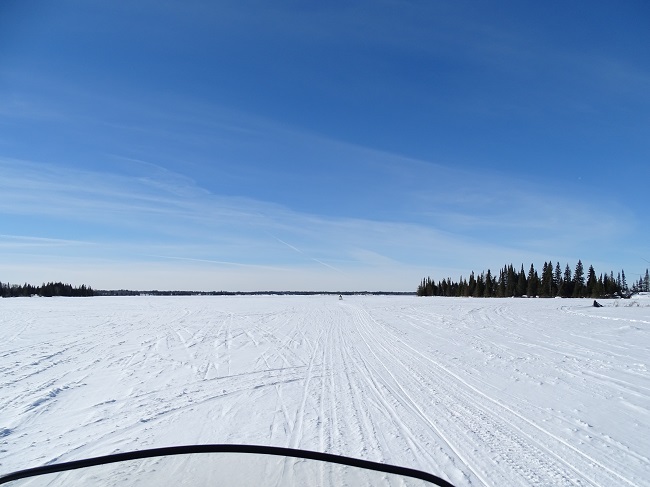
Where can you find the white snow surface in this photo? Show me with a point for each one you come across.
(477, 391)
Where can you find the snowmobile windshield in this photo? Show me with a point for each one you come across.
(221, 465)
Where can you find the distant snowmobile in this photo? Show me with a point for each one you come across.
(240, 465)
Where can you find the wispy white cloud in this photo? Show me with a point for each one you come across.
(170, 179)
(148, 221)
(303, 253)
(391, 211)
(217, 262)
(24, 241)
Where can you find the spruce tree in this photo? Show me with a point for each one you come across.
(612, 288)
(559, 283)
(547, 286)
(511, 285)
(578, 280)
(568, 282)
(471, 285)
(480, 286)
(591, 282)
(637, 288)
(544, 284)
(522, 283)
(487, 293)
(462, 289)
(501, 283)
(532, 284)
(597, 290)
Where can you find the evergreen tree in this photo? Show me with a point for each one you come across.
(522, 283)
(567, 282)
(501, 283)
(609, 285)
(487, 292)
(544, 285)
(532, 282)
(426, 288)
(638, 286)
(480, 286)
(612, 288)
(547, 288)
(559, 283)
(511, 284)
(421, 290)
(471, 285)
(597, 290)
(462, 288)
(591, 282)
(551, 283)
(578, 280)
(49, 289)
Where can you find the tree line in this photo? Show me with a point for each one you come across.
(126, 292)
(46, 290)
(551, 282)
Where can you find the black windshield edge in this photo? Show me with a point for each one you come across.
(254, 449)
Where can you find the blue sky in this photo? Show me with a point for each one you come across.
(320, 145)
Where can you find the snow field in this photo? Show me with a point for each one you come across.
(478, 391)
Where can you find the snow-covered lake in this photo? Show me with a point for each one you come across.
(478, 391)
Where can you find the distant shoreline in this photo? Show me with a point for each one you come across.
(124, 292)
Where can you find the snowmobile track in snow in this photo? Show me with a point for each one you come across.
(481, 392)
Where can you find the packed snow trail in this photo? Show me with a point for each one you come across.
(481, 392)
